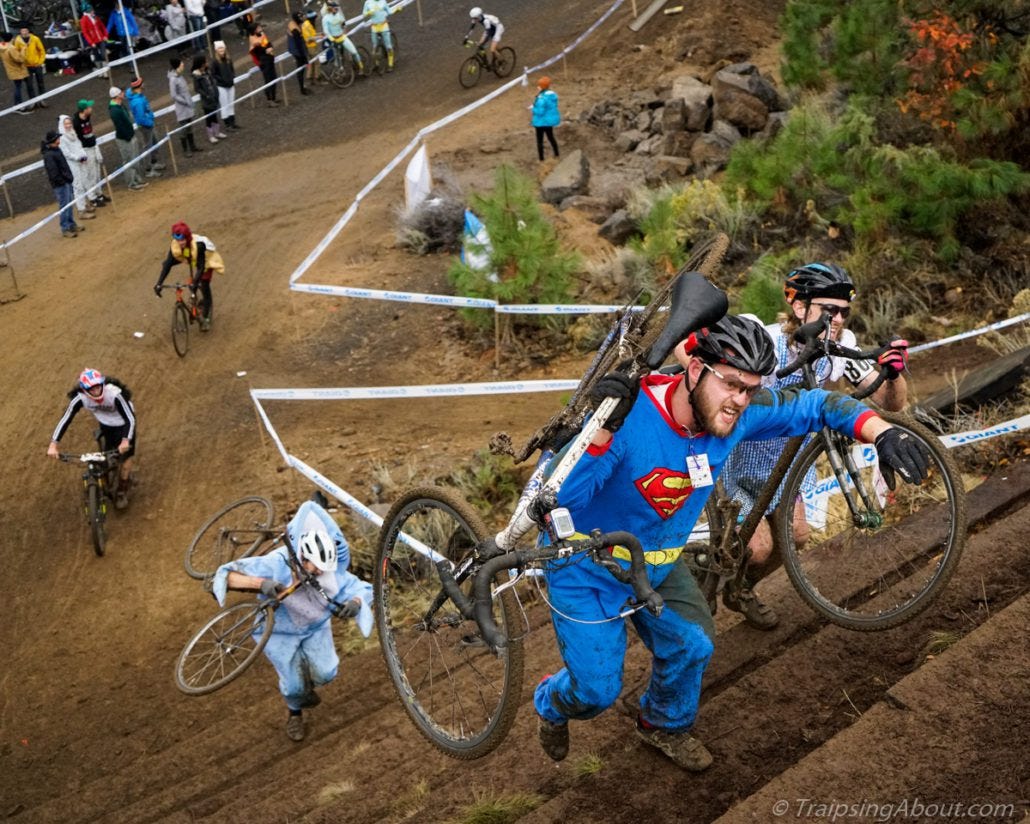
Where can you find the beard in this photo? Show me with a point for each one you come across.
(717, 417)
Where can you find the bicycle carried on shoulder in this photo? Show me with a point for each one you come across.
(874, 557)
(446, 611)
(99, 482)
(184, 313)
(237, 530)
(483, 61)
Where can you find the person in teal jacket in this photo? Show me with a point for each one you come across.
(545, 116)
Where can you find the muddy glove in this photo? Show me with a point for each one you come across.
(348, 609)
(899, 451)
(616, 385)
(269, 588)
(157, 289)
(895, 359)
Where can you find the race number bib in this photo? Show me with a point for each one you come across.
(857, 370)
(699, 470)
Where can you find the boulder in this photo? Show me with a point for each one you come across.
(674, 115)
(696, 97)
(777, 120)
(665, 168)
(596, 209)
(650, 145)
(646, 100)
(710, 151)
(618, 228)
(627, 141)
(643, 121)
(570, 177)
(752, 84)
(678, 144)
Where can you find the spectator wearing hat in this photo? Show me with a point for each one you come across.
(12, 54)
(139, 106)
(225, 79)
(545, 116)
(125, 138)
(183, 101)
(35, 62)
(204, 85)
(298, 48)
(83, 125)
(77, 159)
(94, 32)
(60, 177)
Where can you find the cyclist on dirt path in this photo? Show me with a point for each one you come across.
(203, 259)
(492, 31)
(378, 12)
(334, 27)
(301, 644)
(110, 401)
(810, 290)
(666, 439)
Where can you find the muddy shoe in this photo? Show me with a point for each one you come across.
(311, 699)
(295, 729)
(554, 738)
(747, 604)
(684, 750)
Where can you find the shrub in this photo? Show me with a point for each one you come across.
(762, 294)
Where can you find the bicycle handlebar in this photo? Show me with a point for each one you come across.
(87, 457)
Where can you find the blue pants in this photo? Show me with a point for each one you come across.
(302, 662)
(65, 195)
(680, 641)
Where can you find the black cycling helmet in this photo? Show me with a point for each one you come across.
(735, 341)
(818, 280)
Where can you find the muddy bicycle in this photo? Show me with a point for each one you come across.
(380, 59)
(184, 313)
(99, 482)
(446, 611)
(482, 61)
(238, 530)
(342, 68)
(875, 557)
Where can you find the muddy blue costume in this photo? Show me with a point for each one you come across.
(301, 644)
(639, 482)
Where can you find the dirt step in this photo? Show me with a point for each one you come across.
(924, 737)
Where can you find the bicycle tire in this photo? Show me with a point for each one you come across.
(504, 64)
(461, 696)
(180, 330)
(227, 640)
(342, 72)
(95, 511)
(215, 544)
(911, 544)
(379, 59)
(468, 74)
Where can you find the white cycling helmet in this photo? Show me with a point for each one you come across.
(318, 547)
(476, 12)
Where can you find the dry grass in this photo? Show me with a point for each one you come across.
(498, 809)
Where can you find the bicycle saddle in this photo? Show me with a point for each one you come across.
(695, 303)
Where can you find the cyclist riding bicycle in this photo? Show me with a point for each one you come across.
(110, 401)
(377, 12)
(333, 25)
(649, 471)
(811, 291)
(203, 260)
(492, 31)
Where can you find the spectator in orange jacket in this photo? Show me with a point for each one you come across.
(35, 62)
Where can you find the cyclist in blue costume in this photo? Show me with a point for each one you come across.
(334, 26)
(378, 12)
(650, 472)
(301, 644)
(811, 291)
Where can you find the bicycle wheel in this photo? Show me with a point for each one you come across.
(702, 553)
(887, 562)
(462, 696)
(181, 330)
(235, 531)
(341, 71)
(223, 649)
(379, 59)
(504, 64)
(469, 73)
(96, 512)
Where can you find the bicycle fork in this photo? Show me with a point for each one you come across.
(867, 514)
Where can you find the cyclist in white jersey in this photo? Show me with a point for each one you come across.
(492, 30)
(810, 290)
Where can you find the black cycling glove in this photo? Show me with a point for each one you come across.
(616, 385)
(269, 588)
(157, 289)
(899, 451)
(348, 609)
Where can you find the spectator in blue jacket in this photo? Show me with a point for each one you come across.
(545, 116)
(126, 32)
(144, 117)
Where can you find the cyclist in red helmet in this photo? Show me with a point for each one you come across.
(199, 253)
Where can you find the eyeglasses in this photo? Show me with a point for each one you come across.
(734, 386)
(833, 310)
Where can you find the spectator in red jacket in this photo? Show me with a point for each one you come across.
(94, 32)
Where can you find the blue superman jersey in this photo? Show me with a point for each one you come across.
(639, 481)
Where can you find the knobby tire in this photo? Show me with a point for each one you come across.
(95, 511)
(181, 330)
(215, 542)
(224, 648)
(505, 63)
(469, 73)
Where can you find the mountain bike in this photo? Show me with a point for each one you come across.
(380, 60)
(482, 61)
(445, 607)
(236, 531)
(99, 482)
(867, 563)
(342, 70)
(184, 313)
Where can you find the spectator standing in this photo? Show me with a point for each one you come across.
(61, 180)
(213, 13)
(175, 14)
(298, 48)
(545, 116)
(35, 62)
(204, 84)
(83, 125)
(263, 55)
(139, 106)
(12, 53)
(94, 32)
(195, 18)
(125, 138)
(122, 24)
(183, 100)
(310, 35)
(77, 159)
(225, 79)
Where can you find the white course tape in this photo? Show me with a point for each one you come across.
(424, 391)
(972, 333)
(975, 436)
(402, 297)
